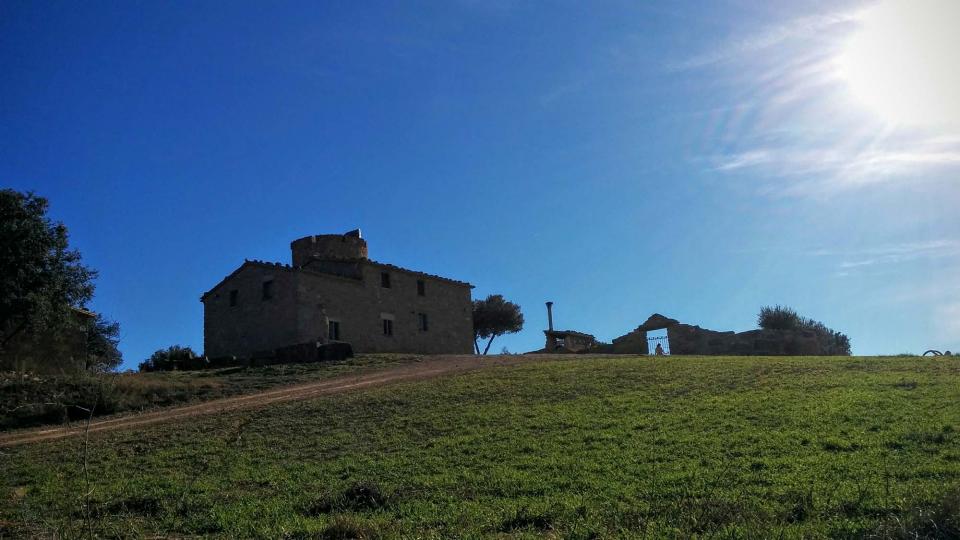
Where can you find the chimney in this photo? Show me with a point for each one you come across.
(550, 315)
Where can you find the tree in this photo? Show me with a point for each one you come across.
(41, 278)
(102, 338)
(783, 318)
(494, 317)
(778, 318)
(171, 358)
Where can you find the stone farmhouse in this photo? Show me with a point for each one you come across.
(334, 293)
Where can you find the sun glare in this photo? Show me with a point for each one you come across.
(903, 61)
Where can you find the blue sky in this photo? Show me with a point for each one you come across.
(696, 159)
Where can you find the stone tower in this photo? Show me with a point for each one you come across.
(329, 247)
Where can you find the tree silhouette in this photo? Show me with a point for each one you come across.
(494, 317)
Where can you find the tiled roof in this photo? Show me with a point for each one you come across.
(395, 268)
(288, 268)
(245, 264)
(424, 274)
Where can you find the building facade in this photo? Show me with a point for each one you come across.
(334, 292)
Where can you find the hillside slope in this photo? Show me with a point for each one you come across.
(577, 447)
(326, 381)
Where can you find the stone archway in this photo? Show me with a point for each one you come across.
(659, 338)
(636, 342)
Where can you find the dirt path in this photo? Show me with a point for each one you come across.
(429, 367)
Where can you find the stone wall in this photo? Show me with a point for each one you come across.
(633, 343)
(693, 340)
(360, 307)
(569, 341)
(253, 324)
(687, 339)
(344, 268)
(328, 246)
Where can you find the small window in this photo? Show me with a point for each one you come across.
(422, 322)
(421, 288)
(333, 330)
(234, 295)
(385, 280)
(267, 290)
(387, 327)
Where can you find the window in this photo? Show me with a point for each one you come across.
(385, 280)
(387, 327)
(422, 322)
(421, 288)
(333, 330)
(268, 289)
(234, 295)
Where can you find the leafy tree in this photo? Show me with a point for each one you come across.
(784, 318)
(494, 317)
(778, 318)
(171, 358)
(41, 278)
(102, 338)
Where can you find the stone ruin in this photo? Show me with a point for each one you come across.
(567, 341)
(688, 340)
(693, 340)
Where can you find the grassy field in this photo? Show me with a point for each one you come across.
(573, 448)
(32, 400)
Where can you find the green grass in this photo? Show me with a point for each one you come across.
(574, 448)
(32, 400)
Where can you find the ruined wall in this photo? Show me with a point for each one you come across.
(693, 340)
(633, 343)
(687, 339)
(569, 341)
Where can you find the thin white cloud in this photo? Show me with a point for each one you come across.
(894, 253)
(847, 167)
(771, 37)
(743, 160)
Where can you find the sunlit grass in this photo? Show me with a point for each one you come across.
(32, 400)
(574, 448)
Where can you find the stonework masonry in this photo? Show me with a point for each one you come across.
(333, 292)
(689, 339)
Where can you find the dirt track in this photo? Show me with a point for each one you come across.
(425, 369)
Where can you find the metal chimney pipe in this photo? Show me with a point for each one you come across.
(550, 315)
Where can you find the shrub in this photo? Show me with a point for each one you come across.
(785, 318)
(778, 318)
(171, 358)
